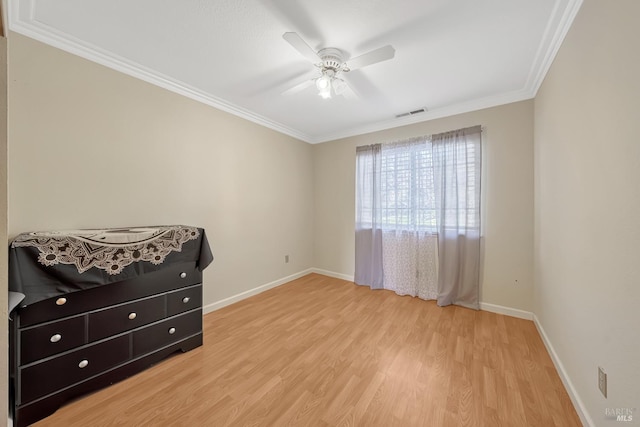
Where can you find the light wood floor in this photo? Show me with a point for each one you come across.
(324, 352)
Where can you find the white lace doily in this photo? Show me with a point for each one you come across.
(108, 249)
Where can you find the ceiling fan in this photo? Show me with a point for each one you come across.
(332, 66)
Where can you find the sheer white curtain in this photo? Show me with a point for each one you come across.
(457, 162)
(409, 244)
(418, 217)
(368, 217)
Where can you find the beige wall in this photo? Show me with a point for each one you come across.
(3, 225)
(91, 147)
(507, 198)
(587, 205)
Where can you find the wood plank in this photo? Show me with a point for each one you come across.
(324, 352)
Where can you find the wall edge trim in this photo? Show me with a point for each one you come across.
(578, 404)
(507, 311)
(254, 291)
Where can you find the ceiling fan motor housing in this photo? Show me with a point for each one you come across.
(331, 59)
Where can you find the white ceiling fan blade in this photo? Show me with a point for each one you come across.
(378, 55)
(349, 93)
(299, 87)
(301, 46)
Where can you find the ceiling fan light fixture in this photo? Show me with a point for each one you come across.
(325, 93)
(339, 86)
(323, 82)
(330, 62)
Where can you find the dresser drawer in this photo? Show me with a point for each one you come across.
(51, 309)
(46, 340)
(54, 374)
(120, 318)
(166, 332)
(172, 277)
(184, 300)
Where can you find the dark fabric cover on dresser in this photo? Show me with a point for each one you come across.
(29, 274)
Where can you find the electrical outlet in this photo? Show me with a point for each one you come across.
(602, 381)
(286, 259)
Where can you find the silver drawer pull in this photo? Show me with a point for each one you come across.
(183, 275)
(172, 331)
(186, 300)
(55, 338)
(132, 316)
(61, 301)
(83, 363)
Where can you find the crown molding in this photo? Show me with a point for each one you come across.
(447, 111)
(547, 50)
(552, 41)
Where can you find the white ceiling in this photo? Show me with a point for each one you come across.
(452, 56)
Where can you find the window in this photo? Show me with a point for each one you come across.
(418, 217)
(407, 196)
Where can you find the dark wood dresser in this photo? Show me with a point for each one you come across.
(78, 341)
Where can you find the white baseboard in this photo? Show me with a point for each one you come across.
(568, 385)
(255, 291)
(507, 311)
(493, 308)
(333, 274)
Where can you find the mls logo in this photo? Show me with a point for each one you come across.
(619, 414)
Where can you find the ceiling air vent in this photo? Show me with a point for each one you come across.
(411, 113)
